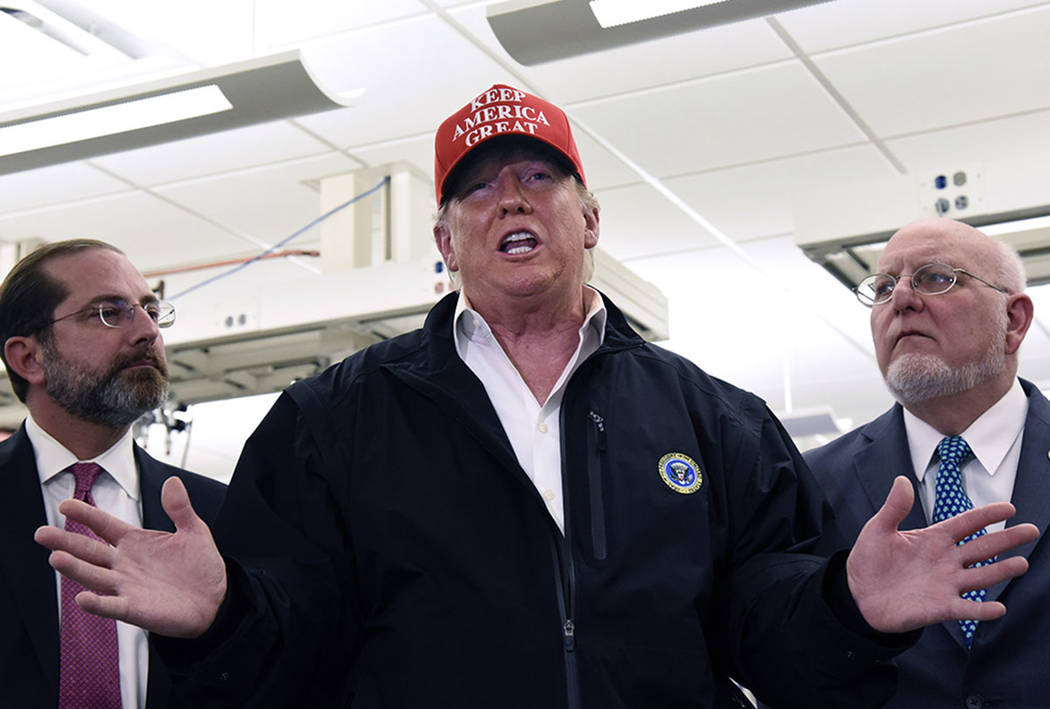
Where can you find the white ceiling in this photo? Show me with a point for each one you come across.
(735, 121)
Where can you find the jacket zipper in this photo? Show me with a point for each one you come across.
(597, 443)
(566, 587)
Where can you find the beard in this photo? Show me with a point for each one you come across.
(914, 377)
(113, 398)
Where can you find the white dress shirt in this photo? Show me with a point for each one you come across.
(534, 429)
(117, 492)
(994, 438)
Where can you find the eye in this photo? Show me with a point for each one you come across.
(152, 310)
(111, 312)
(539, 176)
(883, 286)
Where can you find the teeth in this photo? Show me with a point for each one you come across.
(511, 239)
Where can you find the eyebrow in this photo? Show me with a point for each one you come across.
(100, 299)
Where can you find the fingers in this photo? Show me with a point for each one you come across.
(104, 525)
(897, 506)
(176, 502)
(990, 574)
(79, 546)
(106, 606)
(91, 576)
(972, 521)
(994, 544)
(962, 609)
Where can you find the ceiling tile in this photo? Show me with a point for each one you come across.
(628, 230)
(212, 154)
(57, 184)
(152, 232)
(971, 72)
(417, 151)
(757, 200)
(753, 115)
(279, 23)
(844, 23)
(409, 91)
(1025, 137)
(267, 204)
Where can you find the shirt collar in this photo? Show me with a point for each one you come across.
(468, 324)
(53, 458)
(990, 437)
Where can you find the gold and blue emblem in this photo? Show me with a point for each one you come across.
(681, 473)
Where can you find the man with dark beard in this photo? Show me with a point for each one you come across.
(81, 342)
(948, 314)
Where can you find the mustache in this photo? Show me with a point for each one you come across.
(149, 354)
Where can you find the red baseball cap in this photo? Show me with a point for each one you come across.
(499, 111)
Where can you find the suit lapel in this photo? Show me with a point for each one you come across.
(36, 596)
(151, 479)
(883, 457)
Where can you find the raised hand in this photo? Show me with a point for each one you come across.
(171, 584)
(903, 580)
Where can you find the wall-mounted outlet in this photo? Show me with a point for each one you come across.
(954, 193)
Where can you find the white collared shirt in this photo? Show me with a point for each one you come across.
(117, 492)
(994, 438)
(534, 430)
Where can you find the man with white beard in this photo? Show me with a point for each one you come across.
(948, 314)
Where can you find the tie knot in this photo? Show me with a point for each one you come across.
(953, 449)
(85, 474)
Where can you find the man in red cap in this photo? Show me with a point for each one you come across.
(524, 504)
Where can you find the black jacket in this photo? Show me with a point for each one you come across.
(387, 550)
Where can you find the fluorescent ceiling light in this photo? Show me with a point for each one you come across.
(112, 119)
(175, 107)
(613, 13)
(536, 31)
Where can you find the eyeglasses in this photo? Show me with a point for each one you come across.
(931, 279)
(120, 313)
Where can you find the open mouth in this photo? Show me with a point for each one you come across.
(520, 242)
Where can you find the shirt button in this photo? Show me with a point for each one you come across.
(548, 495)
(974, 702)
(542, 427)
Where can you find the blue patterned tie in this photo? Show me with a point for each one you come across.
(952, 500)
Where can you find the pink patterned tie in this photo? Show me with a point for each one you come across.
(90, 668)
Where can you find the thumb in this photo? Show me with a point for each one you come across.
(176, 503)
(896, 507)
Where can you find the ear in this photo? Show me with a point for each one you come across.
(590, 224)
(443, 239)
(1019, 312)
(25, 358)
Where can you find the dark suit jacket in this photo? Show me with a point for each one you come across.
(1009, 663)
(29, 653)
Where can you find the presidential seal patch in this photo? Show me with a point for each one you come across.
(681, 473)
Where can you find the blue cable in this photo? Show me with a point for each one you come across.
(281, 243)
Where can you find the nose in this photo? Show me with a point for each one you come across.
(142, 327)
(511, 196)
(904, 296)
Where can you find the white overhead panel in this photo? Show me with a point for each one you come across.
(536, 31)
(254, 91)
(845, 227)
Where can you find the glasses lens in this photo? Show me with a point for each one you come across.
(112, 313)
(165, 314)
(876, 288)
(933, 279)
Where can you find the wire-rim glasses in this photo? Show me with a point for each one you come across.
(119, 313)
(931, 279)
